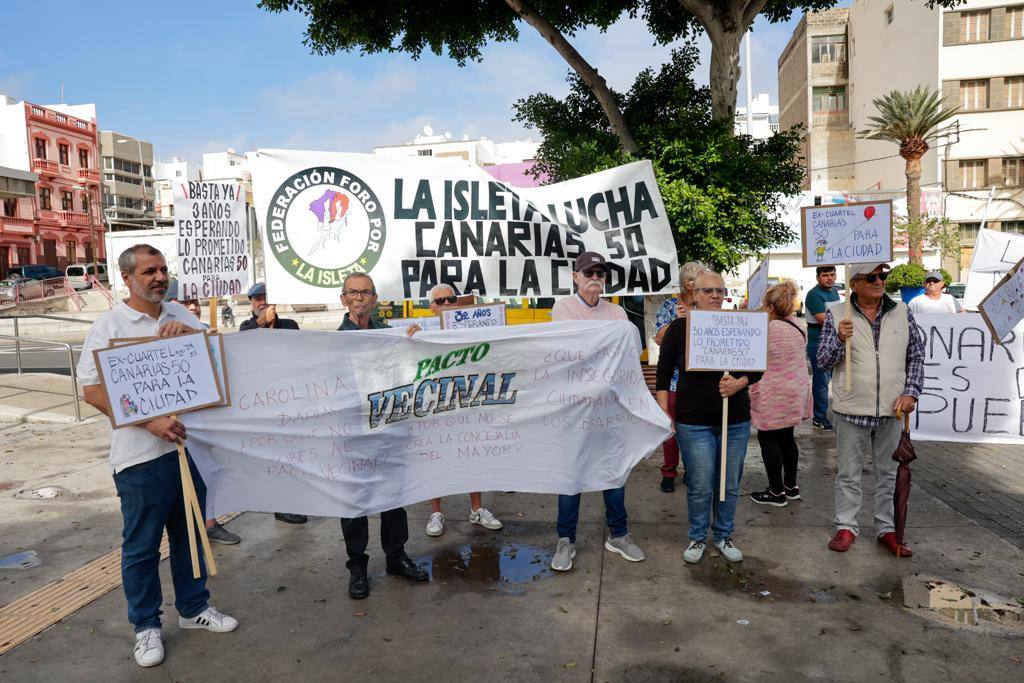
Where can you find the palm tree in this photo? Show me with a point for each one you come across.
(911, 120)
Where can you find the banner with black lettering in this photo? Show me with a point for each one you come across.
(973, 386)
(345, 424)
(213, 242)
(413, 222)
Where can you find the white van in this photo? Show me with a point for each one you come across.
(78, 274)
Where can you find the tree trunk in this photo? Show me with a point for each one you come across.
(914, 234)
(587, 73)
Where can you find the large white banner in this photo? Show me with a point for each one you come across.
(213, 242)
(973, 387)
(352, 423)
(995, 253)
(413, 222)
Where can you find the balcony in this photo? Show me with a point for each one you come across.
(45, 167)
(73, 218)
(16, 225)
(89, 175)
(71, 123)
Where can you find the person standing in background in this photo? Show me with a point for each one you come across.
(815, 304)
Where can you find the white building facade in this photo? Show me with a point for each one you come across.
(764, 118)
(479, 151)
(167, 174)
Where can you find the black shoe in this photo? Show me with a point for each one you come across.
(823, 426)
(793, 493)
(668, 484)
(766, 497)
(409, 570)
(358, 584)
(289, 518)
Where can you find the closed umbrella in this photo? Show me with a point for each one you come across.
(904, 455)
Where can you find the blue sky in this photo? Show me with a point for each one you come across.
(197, 77)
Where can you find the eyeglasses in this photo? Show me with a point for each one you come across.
(931, 280)
(356, 293)
(442, 300)
(870, 279)
(712, 291)
(599, 273)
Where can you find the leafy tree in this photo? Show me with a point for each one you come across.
(910, 120)
(721, 191)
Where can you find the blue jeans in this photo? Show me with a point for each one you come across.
(819, 384)
(614, 513)
(151, 499)
(701, 448)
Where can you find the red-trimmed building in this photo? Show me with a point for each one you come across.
(63, 222)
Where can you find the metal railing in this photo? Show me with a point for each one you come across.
(27, 291)
(72, 294)
(17, 339)
(102, 289)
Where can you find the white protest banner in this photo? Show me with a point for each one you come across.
(213, 243)
(994, 254)
(838, 234)
(1003, 308)
(373, 420)
(414, 222)
(727, 340)
(757, 285)
(164, 376)
(426, 322)
(468, 317)
(973, 387)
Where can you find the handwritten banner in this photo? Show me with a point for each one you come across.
(426, 322)
(1003, 308)
(380, 420)
(995, 253)
(973, 387)
(159, 377)
(213, 244)
(836, 234)
(727, 340)
(412, 223)
(468, 317)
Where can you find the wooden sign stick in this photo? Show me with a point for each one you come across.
(213, 315)
(725, 441)
(194, 516)
(189, 520)
(849, 342)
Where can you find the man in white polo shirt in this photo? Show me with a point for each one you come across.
(145, 465)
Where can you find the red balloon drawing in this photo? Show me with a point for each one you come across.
(869, 212)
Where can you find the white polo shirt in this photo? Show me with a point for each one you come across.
(128, 445)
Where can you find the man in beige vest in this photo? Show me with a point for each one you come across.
(887, 373)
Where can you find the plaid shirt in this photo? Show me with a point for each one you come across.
(831, 352)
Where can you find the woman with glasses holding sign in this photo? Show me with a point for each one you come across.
(698, 427)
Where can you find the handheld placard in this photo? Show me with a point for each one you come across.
(469, 317)
(849, 342)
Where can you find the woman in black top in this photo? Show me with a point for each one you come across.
(698, 425)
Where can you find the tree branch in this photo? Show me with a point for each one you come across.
(750, 12)
(587, 73)
(703, 11)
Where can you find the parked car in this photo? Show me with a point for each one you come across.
(76, 276)
(956, 290)
(19, 288)
(735, 298)
(798, 302)
(34, 271)
(99, 270)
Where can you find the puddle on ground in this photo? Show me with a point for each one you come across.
(754, 578)
(496, 565)
(22, 560)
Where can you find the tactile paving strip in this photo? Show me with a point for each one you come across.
(42, 608)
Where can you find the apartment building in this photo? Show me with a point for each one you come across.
(169, 173)
(764, 118)
(128, 192)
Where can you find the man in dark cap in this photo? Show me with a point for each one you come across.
(264, 315)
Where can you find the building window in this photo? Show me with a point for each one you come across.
(85, 202)
(1013, 226)
(67, 201)
(974, 95)
(40, 148)
(147, 171)
(64, 152)
(44, 198)
(83, 158)
(828, 49)
(108, 162)
(1013, 171)
(889, 15)
(972, 174)
(829, 99)
(10, 207)
(969, 231)
(974, 26)
(424, 152)
(1015, 22)
(1014, 92)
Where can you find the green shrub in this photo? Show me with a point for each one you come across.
(905, 275)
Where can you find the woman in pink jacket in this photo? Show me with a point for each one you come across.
(782, 399)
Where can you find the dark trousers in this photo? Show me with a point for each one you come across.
(614, 513)
(780, 455)
(394, 532)
(151, 500)
(670, 449)
(819, 384)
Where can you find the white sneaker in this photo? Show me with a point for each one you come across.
(729, 550)
(484, 518)
(624, 545)
(211, 620)
(435, 527)
(694, 552)
(149, 647)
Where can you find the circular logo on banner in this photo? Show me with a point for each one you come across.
(324, 223)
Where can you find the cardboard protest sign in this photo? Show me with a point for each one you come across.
(757, 285)
(158, 377)
(727, 340)
(216, 343)
(412, 223)
(1003, 308)
(427, 322)
(213, 242)
(837, 234)
(468, 317)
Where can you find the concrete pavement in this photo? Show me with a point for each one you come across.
(494, 610)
